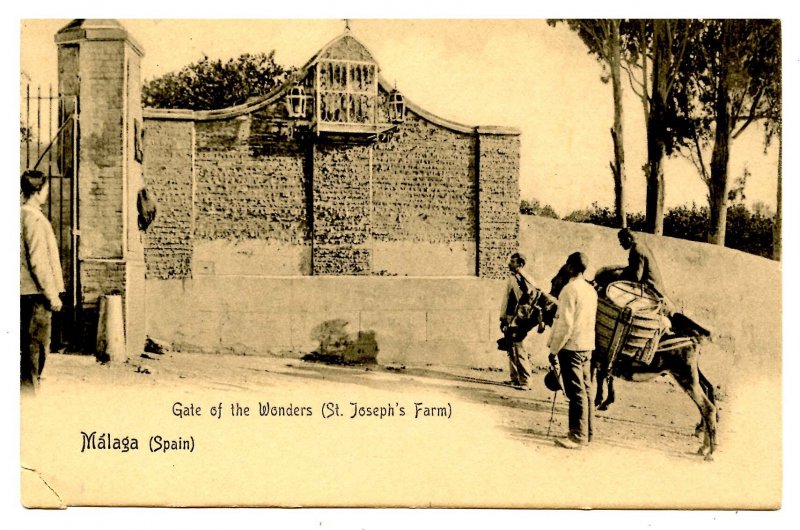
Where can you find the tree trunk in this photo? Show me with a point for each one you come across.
(655, 133)
(718, 187)
(616, 132)
(718, 181)
(654, 215)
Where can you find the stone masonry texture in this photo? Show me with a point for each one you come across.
(255, 178)
(250, 181)
(424, 185)
(168, 176)
(259, 175)
(341, 209)
(498, 206)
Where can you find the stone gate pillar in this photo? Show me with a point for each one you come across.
(498, 199)
(100, 62)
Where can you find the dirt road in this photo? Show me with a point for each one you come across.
(464, 438)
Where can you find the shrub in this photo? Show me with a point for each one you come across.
(605, 216)
(534, 207)
(746, 230)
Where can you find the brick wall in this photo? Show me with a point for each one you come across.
(250, 181)
(424, 185)
(168, 175)
(341, 205)
(498, 202)
(101, 185)
(99, 278)
(407, 204)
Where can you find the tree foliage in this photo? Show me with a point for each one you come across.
(213, 84)
(748, 230)
(732, 80)
(604, 41)
(651, 53)
(534, 207)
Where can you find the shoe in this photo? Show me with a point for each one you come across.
(566, 443)
(522, 386)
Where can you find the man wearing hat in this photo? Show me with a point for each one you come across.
(518, 287)
(571, 344)
(642, 266)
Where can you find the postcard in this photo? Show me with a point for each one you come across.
(401, 263)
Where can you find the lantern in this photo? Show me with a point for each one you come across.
(397, 107)
(296, 102)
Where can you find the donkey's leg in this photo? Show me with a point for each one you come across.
(612, 396)
(687, 375)
(598, 395)
(708, 387)
(598, 376)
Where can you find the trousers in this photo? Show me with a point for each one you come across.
(518, 364)
(34, 338)
(576, 376)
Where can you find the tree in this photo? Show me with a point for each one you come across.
(657, 49)
(773, 127)
(733, 77)
(777, 236)
(211, 84)
(603, 39)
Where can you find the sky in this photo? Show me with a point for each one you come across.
(508, 72)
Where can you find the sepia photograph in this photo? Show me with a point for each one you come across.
(401, 263)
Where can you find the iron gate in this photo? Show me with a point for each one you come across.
(50, 144)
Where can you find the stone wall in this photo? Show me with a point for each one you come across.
(424, 196)
(249, 183)
(455, 320)
(252, 195)
(342, 208)
(101, 156)
(424, 185)
(168, 172)
(415, 320)
(498, 205)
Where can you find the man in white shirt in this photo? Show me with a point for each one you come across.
(41, 280)
(571, 345)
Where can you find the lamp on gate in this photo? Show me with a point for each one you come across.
(296, 102)
(397, 107)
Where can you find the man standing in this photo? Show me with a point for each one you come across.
(571, 345)
(41, 280)
(519, 288)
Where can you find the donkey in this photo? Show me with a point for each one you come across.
(678, 354)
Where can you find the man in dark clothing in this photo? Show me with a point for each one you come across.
(642, 266)
(519, 287)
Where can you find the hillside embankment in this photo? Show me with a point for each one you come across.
(737, 295)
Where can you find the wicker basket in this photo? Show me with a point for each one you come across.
(629, 321)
